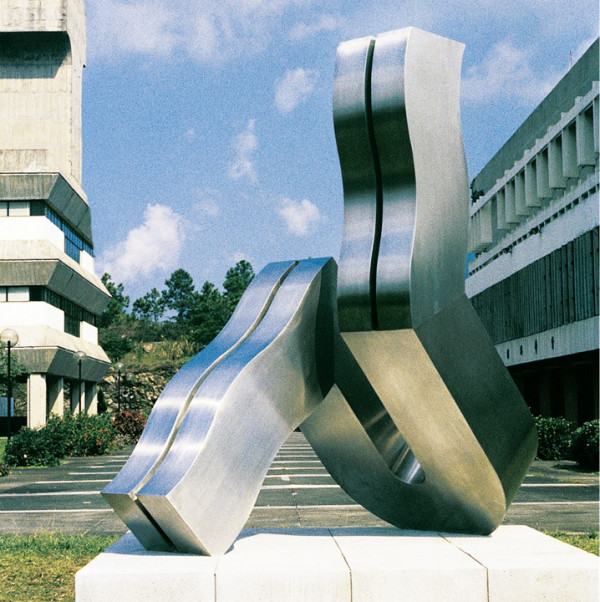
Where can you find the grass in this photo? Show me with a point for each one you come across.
(42, 567)
(588, 541)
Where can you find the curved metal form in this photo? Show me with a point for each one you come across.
(361, 181)
(244, 409)
(426, 383)
(403, 397)
(168, 412)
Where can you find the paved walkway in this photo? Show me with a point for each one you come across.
(297, 492)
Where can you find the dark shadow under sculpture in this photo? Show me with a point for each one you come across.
(402, 395)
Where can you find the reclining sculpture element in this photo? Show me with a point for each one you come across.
(402, 395)
(196, 472)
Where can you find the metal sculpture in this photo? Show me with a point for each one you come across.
(196, 472)
(416, 374)
(402, 396)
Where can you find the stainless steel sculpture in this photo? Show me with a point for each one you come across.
(406, 372)
(196, 472)
(416, 373)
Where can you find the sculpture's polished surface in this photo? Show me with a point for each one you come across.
(193, 480)
(403, 397)
(424, 379)
(170, 408)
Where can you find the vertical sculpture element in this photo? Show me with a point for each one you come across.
(403, 396)
(417, 376)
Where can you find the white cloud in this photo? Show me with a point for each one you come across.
(294, 89)
(302, 31)
(208, 31)
(152, 247)
(244, 145)
(144, 27)
(208, 208)
(301, 218)
(507, 72)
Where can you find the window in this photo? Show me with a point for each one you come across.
(73, 312)
(14, 209)
(18, 209)
(14, 293)
(74, 244)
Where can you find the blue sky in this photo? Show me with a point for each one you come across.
(208, 133)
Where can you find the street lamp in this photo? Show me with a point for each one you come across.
(119, 367)
(10, 338)
(80, 356)
(129, 377)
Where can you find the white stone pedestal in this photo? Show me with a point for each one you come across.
(350, 565)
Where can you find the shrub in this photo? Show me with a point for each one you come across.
(4, 469)
(130, 424)
(554, 437)
(93, 435)
(69, 435)
(584, 449)
(34, 447)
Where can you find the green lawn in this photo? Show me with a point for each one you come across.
(42, 567)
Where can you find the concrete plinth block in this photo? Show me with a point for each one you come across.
(524, 564)
(295, 565)
(126, 571)
(515, 564)
(389, 564)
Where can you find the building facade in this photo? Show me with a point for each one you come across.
(534, 233)
(49, 293)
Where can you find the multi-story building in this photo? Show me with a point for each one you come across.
(48, 291)
(534, 233)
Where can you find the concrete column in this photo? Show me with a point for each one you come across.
(36, 400)
(570, 394)
(77, 396)
(56, 395)
(91, 398)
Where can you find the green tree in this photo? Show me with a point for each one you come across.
(114, 324)
(236, 282)
(150, 307)
(209, 315)
(116, 310)
(180, 295)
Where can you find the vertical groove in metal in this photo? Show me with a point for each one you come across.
(378, 189)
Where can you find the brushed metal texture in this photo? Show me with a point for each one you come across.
(425, 426)
(361, 183)
(402, 395)
(205, 487)
(172, 404)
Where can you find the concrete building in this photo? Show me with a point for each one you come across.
(48, 291)
(534, 231)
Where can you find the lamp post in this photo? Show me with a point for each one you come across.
(80, 356)
(129, 378)
(10, 338)
(119, 367)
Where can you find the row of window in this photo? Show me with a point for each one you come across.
(557, 289)
(74, 244)
(74, 314)
(573, 149)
